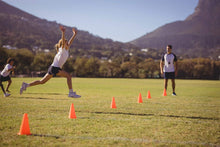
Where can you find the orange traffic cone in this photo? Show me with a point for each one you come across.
(140, 98)
(148, 95)
(113, 105)
(164, 92)
(72, 113)
(24, 129)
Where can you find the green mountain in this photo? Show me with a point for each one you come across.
(197, 36)
(22, 30)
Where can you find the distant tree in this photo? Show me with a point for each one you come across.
(129, 70)
(104, 69)
(3, 57)
(92, 67)
(216, 70)
(114, 70)
(69, 65)
(23, 59)
(79, 67)
(42, 61)
(149, 68)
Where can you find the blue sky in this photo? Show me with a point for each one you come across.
(120, 20)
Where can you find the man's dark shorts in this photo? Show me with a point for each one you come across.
(53, 70)
(2, 78)
(169, 75)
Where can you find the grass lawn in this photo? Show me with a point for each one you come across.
(192, 118)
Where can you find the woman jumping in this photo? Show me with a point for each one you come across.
(55, 69)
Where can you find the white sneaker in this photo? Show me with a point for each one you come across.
(23, 87)
(7, 94)
(73, 95)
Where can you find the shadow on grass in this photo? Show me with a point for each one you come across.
(42, 135)
(34, 98)
(174, 116)
(46, 93)
(41, 98)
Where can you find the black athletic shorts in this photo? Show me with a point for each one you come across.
(169, 75)
(2, 78)
(53, 70)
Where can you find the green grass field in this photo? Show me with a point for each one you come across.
(190, 119)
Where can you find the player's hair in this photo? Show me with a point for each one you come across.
(59, 44)
(170, 46)
(9, 60)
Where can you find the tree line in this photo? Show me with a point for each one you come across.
(123, 66)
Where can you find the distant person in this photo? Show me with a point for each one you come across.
(168, 67)
(5, 76)
(55, 69)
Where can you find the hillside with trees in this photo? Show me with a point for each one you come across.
(197, 36)
(22, 30)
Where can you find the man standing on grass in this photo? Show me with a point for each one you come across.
(168, 67)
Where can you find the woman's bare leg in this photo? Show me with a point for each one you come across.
(69, 83)
(67, 76)
(34, 83)
(42, 81)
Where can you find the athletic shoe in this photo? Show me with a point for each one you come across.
(23, 87)
(6, 94)
(174, 94)
(73, 95)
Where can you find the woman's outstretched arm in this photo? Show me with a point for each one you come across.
(63, 36)
(72, 38)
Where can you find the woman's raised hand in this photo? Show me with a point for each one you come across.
(62, 28)
(74, 31)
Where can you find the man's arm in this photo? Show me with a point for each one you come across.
(161, 67)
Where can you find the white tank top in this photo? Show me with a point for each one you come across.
(60, 58)
(5, 71)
